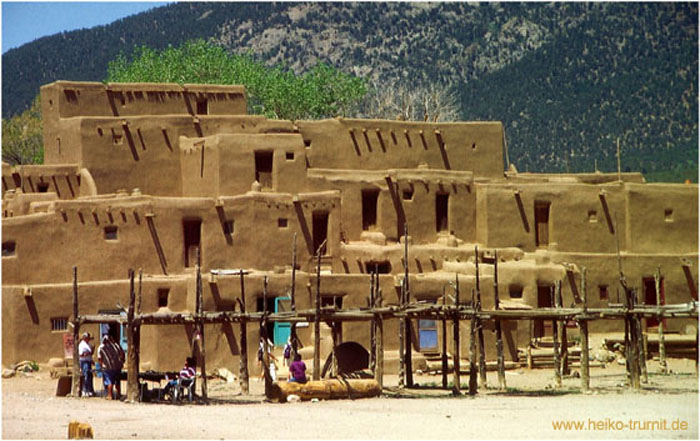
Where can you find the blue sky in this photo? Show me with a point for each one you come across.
(23, 22)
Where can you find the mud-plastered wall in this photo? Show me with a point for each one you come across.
(379, 144)
(230, 164)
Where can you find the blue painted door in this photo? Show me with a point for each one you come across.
(282, 330)
(427, 335)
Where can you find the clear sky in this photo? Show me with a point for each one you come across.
(23, 22)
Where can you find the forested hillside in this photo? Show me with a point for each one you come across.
(567, 79)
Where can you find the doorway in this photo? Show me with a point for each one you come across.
(542, 223)
(543, 327)
(649, 285)
(427, 335)
(263, 169)
(192, 229)
(320, 230)
(441, 212)
(369, 209)
(114, 329)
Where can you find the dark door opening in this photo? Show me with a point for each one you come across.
(263, 169)
(542, 224)
(193, 233)
(441, 205)
(544, 300)
(369, 209)
(270, 308)
(202, 106)
(320, 231)
(650, 297)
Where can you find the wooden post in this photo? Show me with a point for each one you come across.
(132, 386)
(372, 326)
(402, 345)
(642, 360)
(138, 304)
(583, 326)
(293, 331)
(633, 342)
(408, 355)
(499, 337)
(472, 350)
(76, 337)
(480, 327)
(456, 382)
(317, 318)
(266, 348)
(243, 362)
(200, 325)
(662, 340)
(444, 342)
(555, 340)
(379, 368)
(564, 340)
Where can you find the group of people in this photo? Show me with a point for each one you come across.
(297, 368)
(110, 357)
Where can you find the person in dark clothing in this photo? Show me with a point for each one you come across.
(297, 371)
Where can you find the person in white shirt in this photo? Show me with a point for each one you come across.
(85, 350)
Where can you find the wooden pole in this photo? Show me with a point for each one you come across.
(372, 326)
(243, 380)
(633, 342)
(266, 348)
(200, 322)
(472, 350)
(499, 337)
(444, 342)
(407, 321)
(583, 326)
(132, 387)
(293, 331)
(138, 305)
(379, 368)
(456, 382)
(317, 318)
(662, 340)
(564, 340)
(642, 361)
(555, 340)
(480, 327)
(76, 337)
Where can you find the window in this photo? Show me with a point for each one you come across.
(202, 106)
(383, 267)
(282, 222)
(603, 290)
(289, 156)
(163, 294)
(441, 206)
(59, 323)
(42, 187)
(334, 301)
(369, 209)
(515, 291)
(111, 232)
(592, 216)
(407, 194)
(668, 215)
(8, 249)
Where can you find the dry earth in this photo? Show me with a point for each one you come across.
(31, 411)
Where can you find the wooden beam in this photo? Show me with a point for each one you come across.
(499, 337)
(379, 368)
(456, 382)
(662, 340)
(444, 343)
(472, 350)
(407, 321)
(564, 339)
(132, 380)
(244, 378)
(555, 338)
(480, 327)
(76, 337)
(200, 325)
(583, 326)
(317, 317)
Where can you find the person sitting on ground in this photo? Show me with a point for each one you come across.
(111, 356)
(186, 373)
(297, 370)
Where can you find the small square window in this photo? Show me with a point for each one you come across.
(59, 323)
(515, 291)
(228, 227)
(289, 156)
(282, 222)
(111, 232)
(668, 215)
(603, 290)
(307, 143)
(407, 194)
(592, 216)
(163, 294)
(8, 249)
(42, 187)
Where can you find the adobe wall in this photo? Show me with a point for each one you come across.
(63, 180)
(380, 144)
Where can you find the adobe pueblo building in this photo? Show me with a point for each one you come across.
(152, 176)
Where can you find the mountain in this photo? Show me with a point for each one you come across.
(567, 79)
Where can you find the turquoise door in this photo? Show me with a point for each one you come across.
(282, 330)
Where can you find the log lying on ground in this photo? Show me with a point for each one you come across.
(328, 389)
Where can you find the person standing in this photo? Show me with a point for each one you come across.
(111, 357)
(85, 351)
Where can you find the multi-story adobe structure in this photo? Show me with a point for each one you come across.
(151, 175)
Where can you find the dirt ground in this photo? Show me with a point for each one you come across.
(528, 410)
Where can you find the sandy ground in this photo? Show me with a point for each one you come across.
(528, 411)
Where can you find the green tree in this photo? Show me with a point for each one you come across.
(22, 137)
(321, 92)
